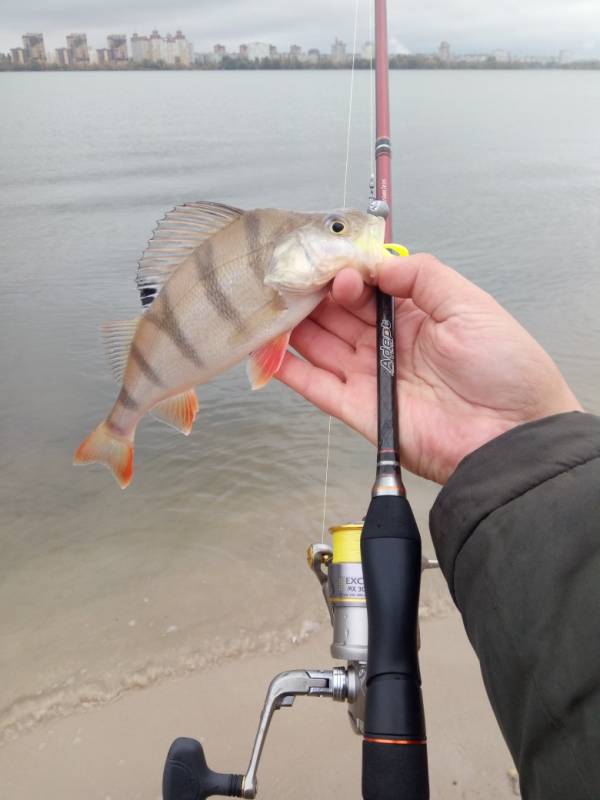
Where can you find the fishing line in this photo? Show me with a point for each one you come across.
(372, 89)
(350, 103)
(326, 478)
(344, 198)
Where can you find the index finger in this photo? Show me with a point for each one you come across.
(349, 291)
(433, 287)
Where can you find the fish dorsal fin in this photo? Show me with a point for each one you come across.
(117, 340)
(174, 238)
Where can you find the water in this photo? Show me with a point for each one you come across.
(203, 557)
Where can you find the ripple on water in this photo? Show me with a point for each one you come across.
(213, 530)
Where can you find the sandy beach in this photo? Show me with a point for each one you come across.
(116, 752)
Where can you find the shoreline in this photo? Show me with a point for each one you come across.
(116, 751)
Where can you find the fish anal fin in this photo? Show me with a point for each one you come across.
(105, 446)
(264, 362)
(178, 411)
(117, 341)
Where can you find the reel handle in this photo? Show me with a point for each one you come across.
(187, 776)
(394, 747)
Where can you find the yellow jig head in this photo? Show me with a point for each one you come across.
(392, 249)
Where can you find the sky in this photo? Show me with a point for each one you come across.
(523, 27)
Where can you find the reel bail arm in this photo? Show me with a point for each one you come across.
(187, 776)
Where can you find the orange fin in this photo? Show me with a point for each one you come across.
(264, 362)
(104, 446)
(178, 411)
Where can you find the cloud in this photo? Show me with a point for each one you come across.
(535, 26)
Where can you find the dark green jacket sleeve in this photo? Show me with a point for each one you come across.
(517, 533)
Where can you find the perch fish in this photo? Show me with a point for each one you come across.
(219, 284)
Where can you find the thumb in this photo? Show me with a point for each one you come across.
(433, 287)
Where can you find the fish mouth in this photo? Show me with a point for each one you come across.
(296, 289)
(371, 242)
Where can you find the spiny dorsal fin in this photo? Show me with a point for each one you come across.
(117, 340)
(174, 238)
(179, 411)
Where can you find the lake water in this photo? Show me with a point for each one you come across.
(202, 558)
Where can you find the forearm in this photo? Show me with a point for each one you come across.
(517, 532)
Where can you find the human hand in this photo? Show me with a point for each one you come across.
(466, 370)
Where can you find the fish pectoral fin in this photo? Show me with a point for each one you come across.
(117, 340)
(178, 411)
(264, 362)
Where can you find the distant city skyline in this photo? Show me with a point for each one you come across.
(535, 27)
(153, 49)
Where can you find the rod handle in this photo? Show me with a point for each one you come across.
(394, 749)
(394, 771)
(187, 776)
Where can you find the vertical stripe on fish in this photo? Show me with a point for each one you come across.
(126, 400)
(144, 367)
(166, 321)
(251, 224)
(209, 279)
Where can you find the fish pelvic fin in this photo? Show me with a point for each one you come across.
(264, 362)
(105, 446)
(179, 411)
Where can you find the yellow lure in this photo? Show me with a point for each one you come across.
(395, 249)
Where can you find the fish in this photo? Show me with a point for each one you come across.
(219, 284)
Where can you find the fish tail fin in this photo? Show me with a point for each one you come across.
(105, 446)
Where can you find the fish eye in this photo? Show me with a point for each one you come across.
(337, 226)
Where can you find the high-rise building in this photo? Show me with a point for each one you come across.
(140, 48)
(103, 58)
(444, 52)
(338, 52)
(168, 49)
(17, 55)
(219, 50)
(77, 44)
(116, 44)
(63, 56)
(258, 51)
(313, 55)
(34, 50)
(368, 51)
(172, 50)
(157, 48)
(244, 51)
(183, 50)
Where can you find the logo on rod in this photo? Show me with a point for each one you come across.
(386, 348)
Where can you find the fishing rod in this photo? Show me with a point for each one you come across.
(394, 741)
(370, 578)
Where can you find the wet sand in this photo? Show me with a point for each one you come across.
(116, 752)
